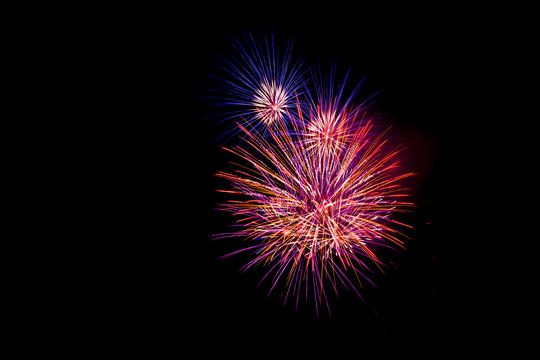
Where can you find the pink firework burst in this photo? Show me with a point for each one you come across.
(314, 203)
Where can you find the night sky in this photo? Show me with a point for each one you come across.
(171, 289)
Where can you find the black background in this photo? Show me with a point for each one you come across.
(168, 289)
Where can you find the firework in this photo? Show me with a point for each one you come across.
(316, 189)
(259, 86)
(314, 207)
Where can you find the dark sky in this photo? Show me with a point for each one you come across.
(172, 289)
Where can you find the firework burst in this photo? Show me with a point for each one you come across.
(316, 188)
(312, 216)
(259, 85)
